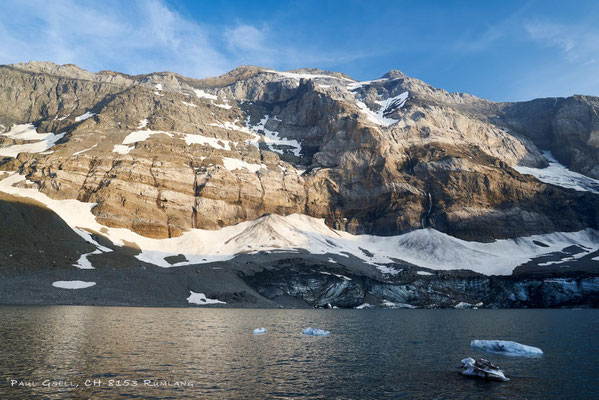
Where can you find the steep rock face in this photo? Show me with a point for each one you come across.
(568, 127)
(576, 140)
(316, 288)
(161, 154)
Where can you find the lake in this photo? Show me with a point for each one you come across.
(171, 353)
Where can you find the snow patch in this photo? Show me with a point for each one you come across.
(234, 163)
(304, 75)
(189, 104)
(356, 85)
(203, 95)
(559, 175)
(210, 141)
(140, 136)
(73, 284)
(121, 149)
(337, 275)
(84, 116)
(272, 139)
(387, 107)
(259, 331)
(83, 151)
(83, 262)
(201, 299)
(135, 137)
(28, 132)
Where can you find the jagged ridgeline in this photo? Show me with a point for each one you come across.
(391, 172)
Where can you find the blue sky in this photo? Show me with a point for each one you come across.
(501, 50)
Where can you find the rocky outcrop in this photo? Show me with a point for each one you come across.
(455, 289)
(161, 154)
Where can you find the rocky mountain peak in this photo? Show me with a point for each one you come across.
(161, 154)
(394, 74)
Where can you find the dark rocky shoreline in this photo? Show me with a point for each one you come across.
(298, 283)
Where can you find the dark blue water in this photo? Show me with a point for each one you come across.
(212, 353)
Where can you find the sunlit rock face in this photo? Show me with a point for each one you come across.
(161, 154)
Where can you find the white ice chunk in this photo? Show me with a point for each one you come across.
(315, 332)
(390, 304)
(505, 347)
(259, 331)
(482, 369)
(73, 284)
(558, 174)
(201, 299)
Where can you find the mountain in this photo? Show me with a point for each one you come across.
(298, 188)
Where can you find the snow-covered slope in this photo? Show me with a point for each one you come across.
(35, 142)
(558, 174)
(425, 247)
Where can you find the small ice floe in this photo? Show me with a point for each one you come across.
(482, 369)
(315, 332)
(73, 284)
(505, 347)
(259, 331)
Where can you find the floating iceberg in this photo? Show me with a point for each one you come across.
(315, 332)
(482, 369)
(505, 347)
(259, 331)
